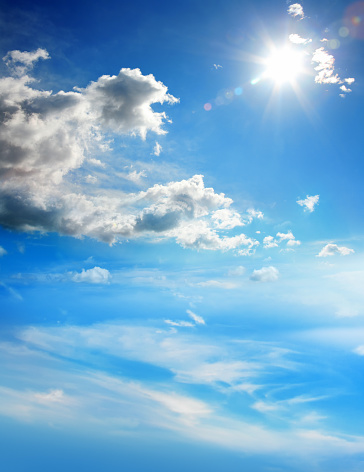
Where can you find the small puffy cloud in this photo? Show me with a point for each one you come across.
(309, 202)
(332, 249)
(97, 275)
(196, 318)
(91, 179)
(296, 10)
(325, 67)
(345, 89)
(269, 242)
(217, 66)
(251, 214)
(265, 274)
(20, 62)
(157, 149)
(297, 39)
(3, 251)
(349, 80)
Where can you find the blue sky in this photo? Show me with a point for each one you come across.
(181, 239)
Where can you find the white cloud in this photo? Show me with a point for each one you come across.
(251, 214)
(345, 89)
(265, 274)
(296, 10)
(199, 235)
(53, 396)
(2, 251)
(157, 149)
(349, 80)
(237, 271)
(182, 324)
(45, 138)
(332, 249)
(20, 62)
(97, 275)
(269, 242)
(226, 218)
(359, 350)
(325, 67)
(217, 284)
(309, 202)
(217, 66)
(196, 318)
(297, 39)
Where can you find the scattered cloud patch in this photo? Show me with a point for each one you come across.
(325, 68)
(181, 324)
(217, 66)
(333, 249)
(265, 274)
(270, 241)
(297, 39)
(296, 10)
(97, 275)
(217, 284)
(3, 251)
(237, 271)
(359, 350)
(20, 62)
(196, 318)
(157, 149)
(309, 202)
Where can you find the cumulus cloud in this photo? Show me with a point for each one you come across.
(47, 137)
(270, 241)
(297, 39)
(226, 219)
(332, 249)
(21, 62)
(97, 275)
(325, 68)
(309, 202)
(2, 251)
(296, 10)
(265, 274)
(345, 89)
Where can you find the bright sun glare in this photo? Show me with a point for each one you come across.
(284, 65)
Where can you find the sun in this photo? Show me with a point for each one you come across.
(284, 65)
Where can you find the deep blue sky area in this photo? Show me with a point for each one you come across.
(181, 236)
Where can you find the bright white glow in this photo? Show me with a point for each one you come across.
(284, 65)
